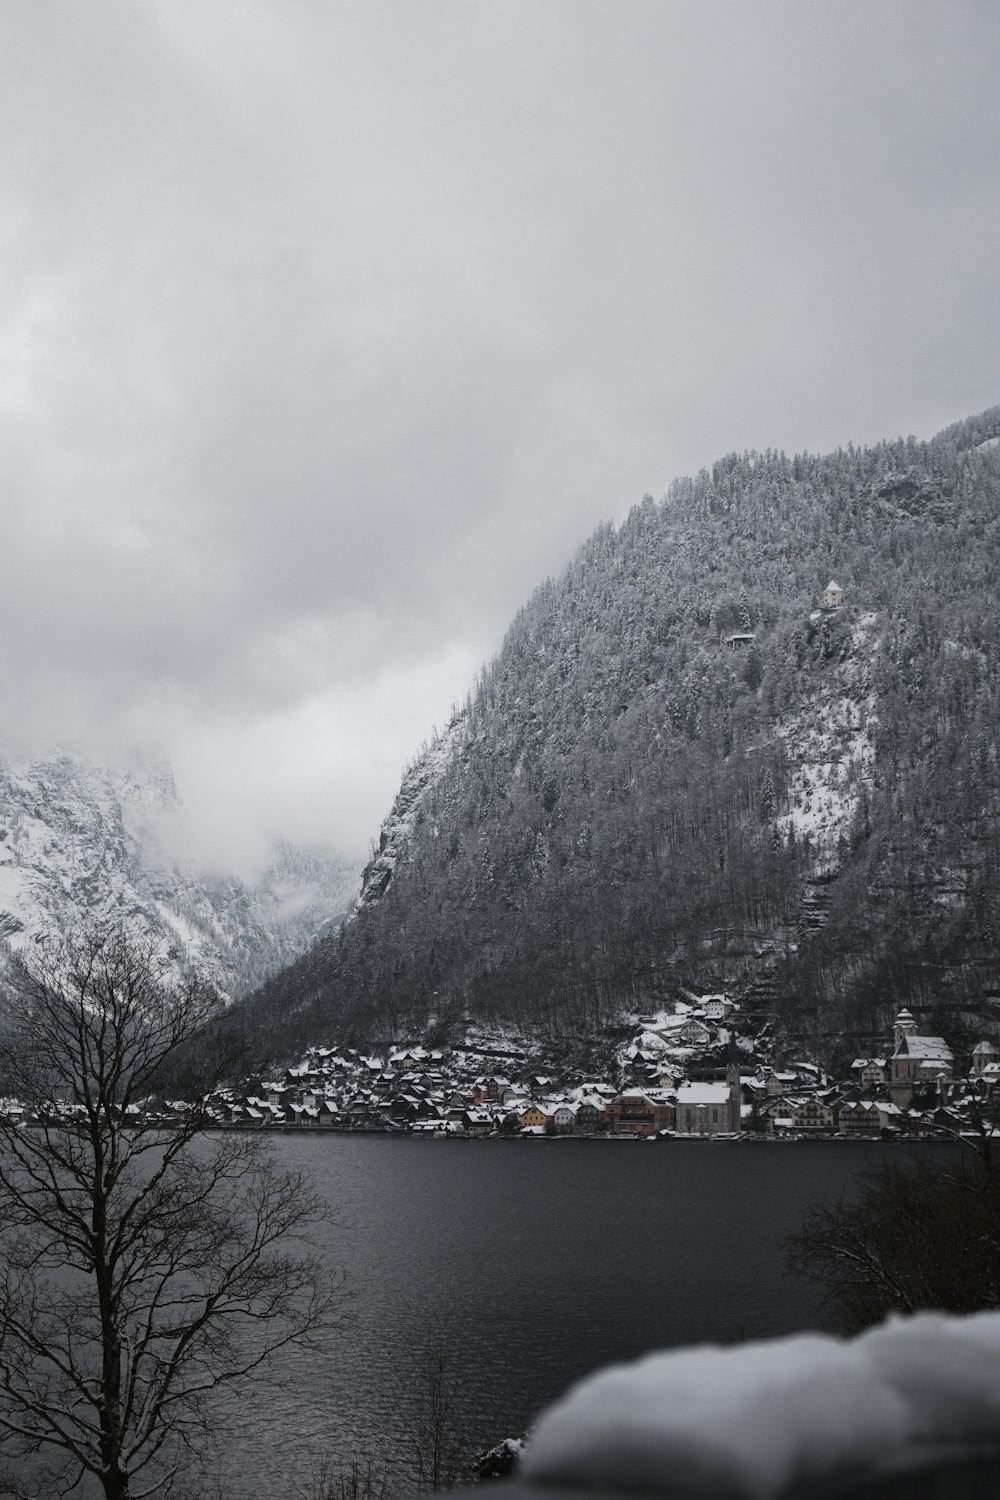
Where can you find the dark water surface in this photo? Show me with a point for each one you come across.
(533, 1262)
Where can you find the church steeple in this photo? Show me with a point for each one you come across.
(904, 1025)
(733, 1079)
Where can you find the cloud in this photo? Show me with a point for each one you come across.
(327, 332)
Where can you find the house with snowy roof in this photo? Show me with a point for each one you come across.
(640, 1061)
(405, 1108)
(479, 1121)
(869, 1116)
(640, 1112)
(813, 1115)
(859, 1115)
(301, 1075)
(490, 1088)
(983, 1054)
(302, 1115)
(591, 1112)
(990, 1078)
(564, 1116)
(535, 1116)
(871, 1072)
(407, 1058)
(833, 595)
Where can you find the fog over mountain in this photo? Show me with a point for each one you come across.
(84, 844)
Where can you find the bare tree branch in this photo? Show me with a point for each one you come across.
(919, 1235)
(144, 1266)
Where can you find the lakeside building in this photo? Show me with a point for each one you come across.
(641, 1112)
(916, 1059)
(707, 1109)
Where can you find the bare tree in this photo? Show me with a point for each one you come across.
(143, 1265)
(439, 1456)
(922, 1234)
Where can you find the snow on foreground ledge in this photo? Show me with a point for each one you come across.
(759, 1419)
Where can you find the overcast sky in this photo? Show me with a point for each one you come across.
(327, 330)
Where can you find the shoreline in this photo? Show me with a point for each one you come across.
(715, 1140)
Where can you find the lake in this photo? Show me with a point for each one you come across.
(527, 1263)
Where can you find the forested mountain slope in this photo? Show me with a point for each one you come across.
(632, 802)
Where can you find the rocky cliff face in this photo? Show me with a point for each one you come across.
(419, 780)
(85, 842)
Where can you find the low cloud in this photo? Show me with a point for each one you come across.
(327, 333)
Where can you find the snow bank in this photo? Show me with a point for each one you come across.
(947, 1370)
(759, 1419)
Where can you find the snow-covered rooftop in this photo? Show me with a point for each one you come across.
(702, 1093)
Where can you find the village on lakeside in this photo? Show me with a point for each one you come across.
(685, 1073)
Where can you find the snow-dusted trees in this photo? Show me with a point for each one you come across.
(141, 1267)
(922, 1234)
(615, 706)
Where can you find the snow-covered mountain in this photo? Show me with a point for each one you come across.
(746, 742)
(80, 841)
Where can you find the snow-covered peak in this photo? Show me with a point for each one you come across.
(84, 842)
